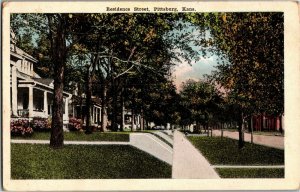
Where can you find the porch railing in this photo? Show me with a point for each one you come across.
(23, 112)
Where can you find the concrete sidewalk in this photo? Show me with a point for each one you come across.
(70, 142)
(188, 162)
(152, 145)
(166, 137)
(266, 140)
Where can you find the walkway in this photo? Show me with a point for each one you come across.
(188, 162)
(249, 166)
(266, 140)
(70, 142)
(163, 135)
(153, 145)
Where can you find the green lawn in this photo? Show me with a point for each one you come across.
(251, 173)
(224, 151)
(36, 161)
(81, 136)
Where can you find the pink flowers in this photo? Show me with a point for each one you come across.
(20, 127)
(41, 124)
(74, 124)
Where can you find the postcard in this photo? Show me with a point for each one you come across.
(145, 95)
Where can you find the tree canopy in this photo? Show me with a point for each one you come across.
(126, 58)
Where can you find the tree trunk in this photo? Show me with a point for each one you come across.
(88, 103)
(251, 128)
(147, 124)
(262, 123)
(280, 124)
(132, 119)
(222, 130)
(104, 108)
(142, 120)
(81, 112)
(249, 124)
(59, 52)
(241, 131)
(114, 125)
(122, 114)
(206, 129)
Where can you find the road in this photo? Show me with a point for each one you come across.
(266, 140)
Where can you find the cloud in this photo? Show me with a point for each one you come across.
(183, 71)
(208, 60)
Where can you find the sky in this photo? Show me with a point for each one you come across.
(184, 71)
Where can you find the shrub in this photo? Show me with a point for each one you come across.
(20, 127)
(74, 124)
(41, 124)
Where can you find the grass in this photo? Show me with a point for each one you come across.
(250, 173)
(268, 133)
(224, 151)
(81, 136)
(36, 161)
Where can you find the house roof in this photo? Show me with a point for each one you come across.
(45, 81)
(18, 51)
(95, 100)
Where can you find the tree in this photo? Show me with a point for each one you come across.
(251, 45)
(202, 99)
(57, 28)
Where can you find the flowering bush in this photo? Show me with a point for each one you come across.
(74, 124)
(20, 127)
(41, 124)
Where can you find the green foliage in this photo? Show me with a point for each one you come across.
(33, 161)
(224, 151)
(251, 45)
(201, 99)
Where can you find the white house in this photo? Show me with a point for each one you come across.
(31, 95)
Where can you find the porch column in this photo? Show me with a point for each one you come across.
(97, 116)
(30, 101)
(14, 91)
(123, 116)
(100, 120)
(92, 114)
(73, 109)
(23, 64)
(45, 103)
(138, 121)
(67, 108)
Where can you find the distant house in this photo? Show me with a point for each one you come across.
(31, 95)
(267, 123)
(77, 108)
